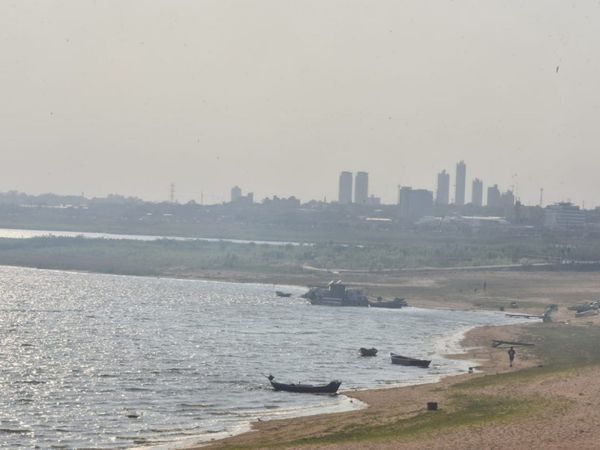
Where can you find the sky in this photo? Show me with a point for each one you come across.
(279, 96)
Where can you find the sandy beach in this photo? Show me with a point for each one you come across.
(531, 405)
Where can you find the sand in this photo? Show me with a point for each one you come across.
(564, 406)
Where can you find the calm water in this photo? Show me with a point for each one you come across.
(13, 233)
(106, 361)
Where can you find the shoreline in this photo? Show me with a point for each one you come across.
(469, 349)
(532, 291)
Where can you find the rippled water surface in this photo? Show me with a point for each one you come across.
(14, 233)
(113, 361)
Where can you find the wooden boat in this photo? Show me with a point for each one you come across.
(588, 312)
(368, 351)
(407, 361)
(330, 388)
(283, 294)
(380, 303)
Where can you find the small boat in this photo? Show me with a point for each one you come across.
(330, 388)
(407, 361)
(283, 294)
(368, 351)
(381, 303)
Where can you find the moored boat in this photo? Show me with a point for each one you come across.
(408, 361)
(330, 388)
(283, 294)
(368, 351)
(381, 303)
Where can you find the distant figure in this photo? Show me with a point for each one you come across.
(484, 285)
(511, 355)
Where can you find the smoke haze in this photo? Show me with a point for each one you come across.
(280, 96)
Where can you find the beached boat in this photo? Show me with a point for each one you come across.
(381, 303)
(368, 351)
(587, 312)
(407, 361)
(330, 388)
(282, 294)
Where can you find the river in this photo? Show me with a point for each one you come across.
(105, 361)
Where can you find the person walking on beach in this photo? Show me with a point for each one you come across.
(511, 355)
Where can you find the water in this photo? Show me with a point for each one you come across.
(103, 361)
(12, 233)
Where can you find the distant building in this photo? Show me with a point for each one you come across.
(421, 203)
(508, 200)
(373, 201)
(493, 197)
(464, 222)
(404, 200)
(415, 203)
(237, 197)
(563, 216)
(290, 202)
(361, 188)
(442, 195)
(236, 193)
(477, 192)
(461, 179)
(345, 190)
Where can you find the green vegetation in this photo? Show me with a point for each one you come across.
(562, 348)
(171, 257)
(462, 411)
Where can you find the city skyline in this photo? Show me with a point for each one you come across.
(348, 189)
(159, 97)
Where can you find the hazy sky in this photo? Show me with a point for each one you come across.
(279, 96)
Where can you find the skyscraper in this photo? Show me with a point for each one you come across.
(345, 192)
(461, 176)
(477, 192)
(361, 188)
(442, 196)
(493, 197)
(236, 193)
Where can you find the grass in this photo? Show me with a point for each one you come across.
(563, 349)
(462, 411)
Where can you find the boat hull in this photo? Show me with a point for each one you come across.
(368, 351)
(330, 388)
(407, 361)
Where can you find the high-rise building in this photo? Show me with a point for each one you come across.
(345, 191)
(442, 196)
(361, 188)
(461, 177)
(493, 197)
(404, 200)
(236, 193)
(415, 203)
(507, 199)
(238, 198)
(477, 192)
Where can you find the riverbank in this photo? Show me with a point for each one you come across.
(547, 400)
(473, 415)
(384, 405)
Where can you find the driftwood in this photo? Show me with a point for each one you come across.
(525, 316)
(498, 343)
